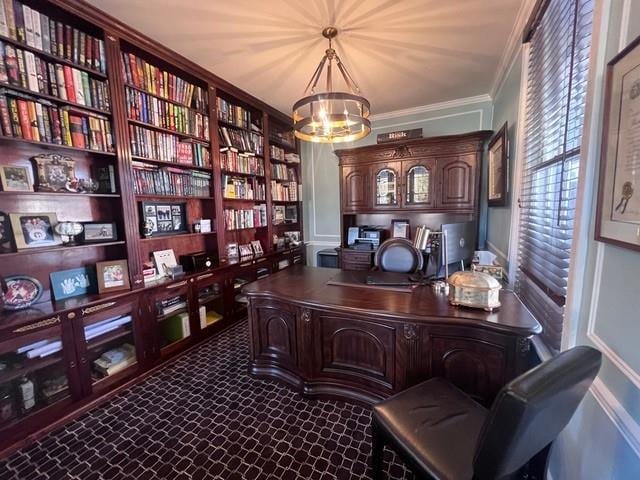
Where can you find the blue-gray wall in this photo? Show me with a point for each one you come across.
(321, 181)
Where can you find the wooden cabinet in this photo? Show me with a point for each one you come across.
(275, 333)
(439, 175)
(355, 188)
(457, 182)
(356, 259)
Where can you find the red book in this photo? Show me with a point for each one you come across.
(75, 127)
(56, 128)
(68, 82)
(134, 71)
(23, 115)
(5, 117)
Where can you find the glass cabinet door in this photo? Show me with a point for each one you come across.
(173, 325)
(418, 183)
(33, 374)
(386, 187)
(210, 304)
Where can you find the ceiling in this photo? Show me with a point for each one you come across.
(403, 53)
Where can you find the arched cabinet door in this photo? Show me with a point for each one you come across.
(457, 182)
(355, 188)
(275, 333)
(418, 182)
(386, 186)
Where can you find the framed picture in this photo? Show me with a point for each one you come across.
(164, 260)
(112, 276)
(73, 283)
(278, 214)
(55, 172)
(497, 185)
(232, 251)
(618, 210)
(293, 237)
(33, 230)
(401, 228)
(161, 218)
(257, 248)
(15, 178)
(96, 232)
(246, 250)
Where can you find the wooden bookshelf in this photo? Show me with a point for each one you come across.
(66, 319)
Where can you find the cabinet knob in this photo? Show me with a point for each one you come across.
(72, 364)
(71, 315)
(83, 360)
(138, 282)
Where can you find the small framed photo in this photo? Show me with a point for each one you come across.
(33, 230)
(497, 185)
(15, 178)
(73, 283)
(6, 235)
(232, 251)
(96, 232)
(257, 248)
(293, 237)
(164, 260)
(401, 228)
(112, 276)
(246, 251)
(55, 172)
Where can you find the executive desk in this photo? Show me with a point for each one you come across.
(364, 345)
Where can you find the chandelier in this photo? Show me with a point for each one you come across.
(331, 116)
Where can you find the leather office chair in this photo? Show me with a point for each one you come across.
(443, 434)
(398, 255)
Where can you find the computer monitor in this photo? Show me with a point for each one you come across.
(461, 243)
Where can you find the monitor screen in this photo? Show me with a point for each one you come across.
(461, 243)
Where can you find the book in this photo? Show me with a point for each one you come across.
(156, 180)
(106, 178)
(176, 328)
(167, 147)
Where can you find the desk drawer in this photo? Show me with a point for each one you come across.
(355, 266)
(356, 257)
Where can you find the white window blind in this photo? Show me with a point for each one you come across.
(558, 65)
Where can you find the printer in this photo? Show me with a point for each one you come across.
(366, 237)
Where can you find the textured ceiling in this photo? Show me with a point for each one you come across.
(403, 53)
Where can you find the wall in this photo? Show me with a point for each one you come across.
(321, 182)
(506, 104)
(603, 439)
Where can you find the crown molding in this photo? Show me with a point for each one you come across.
(512, 46)
(460, 102)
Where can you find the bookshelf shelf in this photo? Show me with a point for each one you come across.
(62, 194)
(170, 164)
(29, 366)
(178, 235)
(53, 58)
(55, 146)
(241, 174)
(169, 197)
(285, 202)
(105, 338)
(146, 92)
(251, 200)
(59, 248)
(57, 100)
(169, 131)
(246, 228)
(286, 146)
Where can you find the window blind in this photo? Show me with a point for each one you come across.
(557, 74)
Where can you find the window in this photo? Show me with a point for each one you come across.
(559, 38)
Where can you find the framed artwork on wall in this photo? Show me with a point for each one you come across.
(400, 228)
(497, 184)
(618, 210)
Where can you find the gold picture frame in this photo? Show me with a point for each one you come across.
(15, 178)
(54, 172)
(34, 230)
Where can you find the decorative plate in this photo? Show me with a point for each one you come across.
(22, 292)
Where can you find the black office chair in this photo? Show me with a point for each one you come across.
(398, 255)
(443, 434)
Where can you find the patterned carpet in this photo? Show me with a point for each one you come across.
(204, 417)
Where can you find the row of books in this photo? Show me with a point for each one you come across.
(241, 140)
(282, 172)
(149, 109)
(156, 180)
(23, 116)
(246, 218)
(167, 147)
(171, 304)
(233, 114)
(277, 153)
(284, 192)
(243, 188)
(236, 162)
(142, 75)
(114, 360)
(35, 29)
(285, 137)
(23, 69)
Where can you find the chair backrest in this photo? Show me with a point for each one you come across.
(398, 255)
(531, 410)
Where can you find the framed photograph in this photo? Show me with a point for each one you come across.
(73, 283)
(15, 178)
(96, 232)
(55, 172)
(232, 251)
(112, 276)
(401, 228)
(291, 214)
(618, 209)
(257, 248)
(497, 185)
(278, 214)
(161, 218)
(293, 237)
(246, 250)
(164, 260)
(6, 235)
(33, 230)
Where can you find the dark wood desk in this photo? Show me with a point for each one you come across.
(364, 345)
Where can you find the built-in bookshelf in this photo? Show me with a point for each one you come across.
(124, 124)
